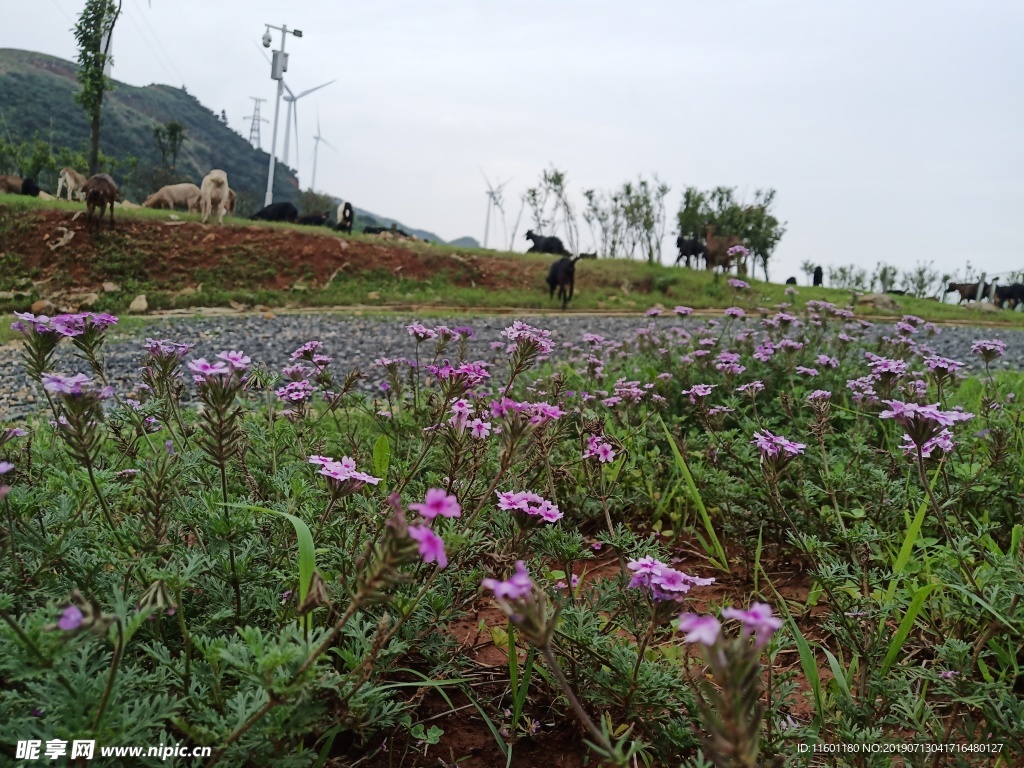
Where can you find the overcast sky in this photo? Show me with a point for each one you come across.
(891, 130)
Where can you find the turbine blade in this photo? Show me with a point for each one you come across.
(309, 91)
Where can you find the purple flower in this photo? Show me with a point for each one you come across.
(438, 502)
(71, 619)
(5, 467)
(238, 360)
(698, 390)
(807, 371)
(989, 349)
(735, 283)
(819, 395)
(758, 619)
(773, 445)
(520, 333)
(653, 312)
(516, 586)
(420, 332)
(948, 674)
(735, 312)
(480, 429)
(699, 629)
(683, 311)
(431, 546)
(307, 350)
(68, 385)
(752, 387)
(296, 391)
(207, 369)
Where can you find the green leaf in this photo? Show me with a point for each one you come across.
(382, 457)
(903, 631)
(838, 673)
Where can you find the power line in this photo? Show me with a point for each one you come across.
(159, 43)
(159, 59)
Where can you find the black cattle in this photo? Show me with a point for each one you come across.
(346, 218)
(1008, 294)
(896, 292)
(791, 281)
(16, 185)
(392, 230)
(276, 212)
(314, 219)
(562, 276)
(542, 244)
(819, 276)
(690, 248)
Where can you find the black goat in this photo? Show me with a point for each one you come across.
(562, 276)
(819, 276)
(543, 244)
(690, 248)
(277, 212)
(791, 281)
(314, 219)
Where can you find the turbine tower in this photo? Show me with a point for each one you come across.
(293, 115)
(494, 200)
(316, 145)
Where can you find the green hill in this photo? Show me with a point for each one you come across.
(37, 102)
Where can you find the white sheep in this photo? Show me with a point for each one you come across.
(214, 194)
(74, 181)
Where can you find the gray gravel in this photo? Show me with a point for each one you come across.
(355, 342)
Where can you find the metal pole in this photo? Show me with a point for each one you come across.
(316, 146)
(273, 142)
(979, 294)
(487, 223)
(287, 130)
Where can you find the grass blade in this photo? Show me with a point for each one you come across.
(722, 562)
(903, 631)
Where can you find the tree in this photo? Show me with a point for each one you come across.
(169, 139)
(93, 32)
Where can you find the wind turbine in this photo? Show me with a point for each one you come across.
(316, 145)
(494, 200)
(293, 114)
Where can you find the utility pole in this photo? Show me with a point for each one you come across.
(254, 128)
(278, 67)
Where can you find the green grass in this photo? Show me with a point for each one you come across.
(605, 285)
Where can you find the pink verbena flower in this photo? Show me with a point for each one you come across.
(698, 391)
(758, 619)
(772, 445)
(206, 369)
(431, 546)
(516, 586)
(438, 502)
(683, 311)
(819, 395)
(519, 333)
(736, 283)
(699, 629)
(735, 312)
(296, 391)
(66, 385)
(480, 429)
(653, 312)
(989, 349)
(238, 360)
(71, 619)
(420, 332)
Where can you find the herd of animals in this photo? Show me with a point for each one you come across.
(215, 198)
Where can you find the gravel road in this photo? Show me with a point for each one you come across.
(355, 342)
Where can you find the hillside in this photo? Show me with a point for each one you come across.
(37, 101)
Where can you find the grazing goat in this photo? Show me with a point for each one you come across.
(542, 244)
(562, 276)
(392, 230)
(100, 191)
(73, 181)
(314, 219)
(818, 276)
(967, 291)
(690, 248)
(346, 218)
(173, 195)
(214, 194)
(791, 281)
(717, 249)
(15, 185)
(276, 212)
(1008, 294)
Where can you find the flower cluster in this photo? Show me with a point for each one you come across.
(598, 447)
(661, 581)
(757, 621)
(342, 475)
(526, 504)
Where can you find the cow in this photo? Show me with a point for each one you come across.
(346, 218)
(717, 249)
(1008, 294)
(276, 212)
(543, 244)
(690, 248)
(818, 276)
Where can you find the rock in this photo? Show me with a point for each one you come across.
(268, 315)
(238, 307)
(373, 295)
(41, 307)
(879, 301)
(300, 287)
(111, 287)
(984, 306)
(88, 301)
(138, 305)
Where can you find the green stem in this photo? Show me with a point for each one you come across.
(114, 666)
